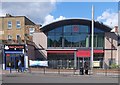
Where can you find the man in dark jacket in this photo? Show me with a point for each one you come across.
(86, 67)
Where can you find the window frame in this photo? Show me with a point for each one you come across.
(8, 37)
(9, 24)
(31, 32)
(18, 25)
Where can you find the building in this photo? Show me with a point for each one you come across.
(15, 33)
(67, 43)
(17, 28)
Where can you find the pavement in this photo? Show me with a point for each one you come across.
(61, 71)
(57, 76)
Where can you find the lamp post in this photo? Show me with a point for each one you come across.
(92, 41)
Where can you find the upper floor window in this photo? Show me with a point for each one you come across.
(75, 28)
(9, 37)
(84, 29)
(9, 24)
(18, 24)
(68, 28)
(31, 31)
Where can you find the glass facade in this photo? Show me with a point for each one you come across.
(74, 36)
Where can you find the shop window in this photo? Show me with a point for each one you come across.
(9, 37)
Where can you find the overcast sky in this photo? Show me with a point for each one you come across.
(47, 12)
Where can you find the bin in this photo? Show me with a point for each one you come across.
(81, 71)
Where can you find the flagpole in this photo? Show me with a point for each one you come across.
(92, 41)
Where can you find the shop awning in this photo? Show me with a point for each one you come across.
(79, 53)
(61, 51)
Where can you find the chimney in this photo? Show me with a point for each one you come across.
(115, 29)
(8, 15)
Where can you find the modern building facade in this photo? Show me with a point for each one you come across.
(69, 40)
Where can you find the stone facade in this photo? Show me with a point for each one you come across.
(111, 48)
(23, 31)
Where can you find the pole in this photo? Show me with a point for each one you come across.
(75, 59)
(75, 62)
(92, 40)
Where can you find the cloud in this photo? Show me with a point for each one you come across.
(36, 11)
(109, 18)
(49, 19)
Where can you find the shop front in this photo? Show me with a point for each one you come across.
(12, 54)
(66, 58)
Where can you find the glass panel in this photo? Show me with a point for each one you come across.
(31, 31)
(51, 34)
(9, 24)
(58, 41)
(68, 28)
(67, 41)
(75, 28)
(17, 24)
(83, 40)
(84, 28)
(59, 29)
(96, 30)
(51, 41)
(95, 40)
(52, 30)
(87, 41)
(100, 41)
(75, 41)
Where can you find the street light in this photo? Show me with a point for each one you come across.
(92, 40)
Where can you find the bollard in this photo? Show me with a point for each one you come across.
(44, 70)
(106, 72)
(58, 69)
(10, 70)
(81, 71)
(74, 70)
(10, 67)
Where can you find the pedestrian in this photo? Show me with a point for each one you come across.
(19, 66)
(86, 67)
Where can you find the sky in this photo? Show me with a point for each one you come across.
(48, 12)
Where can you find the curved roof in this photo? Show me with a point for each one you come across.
(56, 24)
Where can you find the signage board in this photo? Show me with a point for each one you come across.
(96, 63)
(14, 47)
(38, 63)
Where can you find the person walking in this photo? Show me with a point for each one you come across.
(19, 66)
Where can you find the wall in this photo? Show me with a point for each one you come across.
(40, 40)
(110, 47)
(36, 27)
(13, 31)
(1, 29)
(31, 52)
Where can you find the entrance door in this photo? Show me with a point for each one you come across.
(14, 62)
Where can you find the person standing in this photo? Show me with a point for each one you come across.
(19, 66)
(86, 67)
